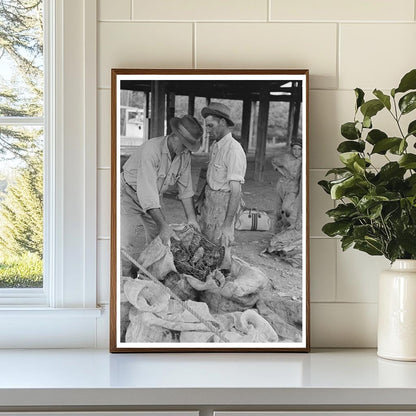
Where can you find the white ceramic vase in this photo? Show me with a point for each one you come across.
(397, 312)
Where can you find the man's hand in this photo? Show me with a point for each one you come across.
(226, 235)
(166, 233)
(194, 224)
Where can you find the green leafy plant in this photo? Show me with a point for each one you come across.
(376, 212)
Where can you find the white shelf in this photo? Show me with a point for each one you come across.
(58, 378)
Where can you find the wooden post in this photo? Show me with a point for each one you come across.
(205, 138)
(253, 126)
(262, 134)
(170, 109)
(191, 105)
(147, 104)
(296, 119)
(246, 123)
(157, 122)
(294, 112)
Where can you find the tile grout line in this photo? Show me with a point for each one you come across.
(307, 22)
(269, 11)
(131, 9)
(254, 21)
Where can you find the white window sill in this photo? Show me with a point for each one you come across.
(40, 327)
(35, 312)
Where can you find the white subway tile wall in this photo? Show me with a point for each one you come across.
(345, 44)
(142, 45)
(323, 269)
(103, 271)
(104, 128)
(114, 10)
(104, 202)
(355, 10)
(200, 11)
(375, 55)
(270, 45)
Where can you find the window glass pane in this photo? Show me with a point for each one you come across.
(21, 146)
(21, 212)
(21, 58)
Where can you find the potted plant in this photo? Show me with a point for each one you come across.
(376, 209)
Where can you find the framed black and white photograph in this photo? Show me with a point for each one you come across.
(209, 211)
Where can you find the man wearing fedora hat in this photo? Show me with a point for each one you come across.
(157, 164)
(226, 170)
(289, 187)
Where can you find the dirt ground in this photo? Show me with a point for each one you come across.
(284, 279)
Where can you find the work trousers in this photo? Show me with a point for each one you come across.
(132, 219)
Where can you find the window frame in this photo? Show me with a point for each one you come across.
(70, 207)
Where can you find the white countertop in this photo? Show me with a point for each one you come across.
(96, 377)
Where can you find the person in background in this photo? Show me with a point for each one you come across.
(157, 164)
(225, 175)
(288, 188)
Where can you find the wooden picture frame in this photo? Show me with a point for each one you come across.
(170, 299)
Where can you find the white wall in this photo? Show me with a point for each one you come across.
(345, 44)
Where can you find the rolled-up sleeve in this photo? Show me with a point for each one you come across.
(185, 188)
(147, 190)
(236, 164)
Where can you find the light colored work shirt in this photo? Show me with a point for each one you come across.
(227, 163)
(151, 170)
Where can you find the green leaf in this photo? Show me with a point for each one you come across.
(385, 99)
(407, 240)
(367, 122)
(359, 95)
(374, 136)
(383, 145)
(411, 130)
(371, 108)
(393, 92)
(346, 242)
(361, 231)
(359, 166)
(349, 146)
(338, 171)
(408, 102)
(408, 161)
(336, 228)
(393, 250)
(325, 186)
(400, 148)
(348, 158)
(368, 248)
(375, 212)
(342, 211)
(369, 201)
(408, 82)
(349, 131)
(391, 170)
(350, 187)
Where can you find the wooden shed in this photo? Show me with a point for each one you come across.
(160, 105)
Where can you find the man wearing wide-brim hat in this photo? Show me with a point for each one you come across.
(289, 188)
(225, 175)
(157, 164)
